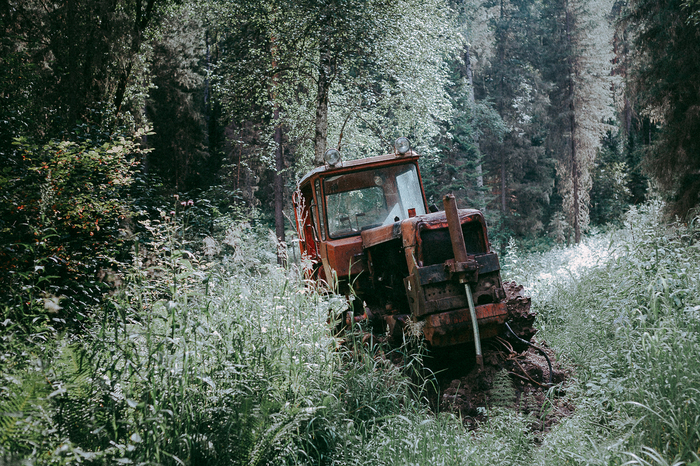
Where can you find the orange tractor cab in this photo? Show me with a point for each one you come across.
(366, 224)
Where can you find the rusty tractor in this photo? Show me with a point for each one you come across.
(366, 225)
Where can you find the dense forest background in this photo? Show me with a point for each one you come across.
(552, 116)
(149, 150)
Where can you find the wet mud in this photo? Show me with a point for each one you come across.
(510, 380)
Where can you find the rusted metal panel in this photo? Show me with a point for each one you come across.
(432, 274)
(414, 293)
(345, 256)
(439, 273)
(435, 242)
(455, 228)
(409, 227)
(434, 288)
(488, 263)
(455, 327)
(444, 297)
(381, 234)
(427, 297)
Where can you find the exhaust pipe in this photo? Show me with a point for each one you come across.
(456, 237)
(460, 254)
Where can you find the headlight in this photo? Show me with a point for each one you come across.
(401, 146)
(332, 157)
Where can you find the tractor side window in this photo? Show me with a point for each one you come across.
(409, 192)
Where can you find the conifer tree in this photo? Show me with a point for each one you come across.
(665, 83)
(86, 60)
(520, 168)
(635, 128)
(176, 103)
(578, 61)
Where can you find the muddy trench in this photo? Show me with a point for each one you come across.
(510, 380)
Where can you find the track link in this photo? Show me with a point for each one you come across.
(520, 317)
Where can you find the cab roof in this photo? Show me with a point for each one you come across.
(368, 162)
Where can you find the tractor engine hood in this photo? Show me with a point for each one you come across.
(408, 229)
(436, 278)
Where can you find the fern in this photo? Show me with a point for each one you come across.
(12, 411)
(15, 408)
(503, 392)
(84, 404)
(273, 437)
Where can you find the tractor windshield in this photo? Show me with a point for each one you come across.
(371, 198)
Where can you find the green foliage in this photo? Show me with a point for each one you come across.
(456, 170)
(624, 312)
(178, 103)
(383, 81)
(206, 351)
(68, 60)
(21, 404)
(227, 358)
(610, 193)
(502, 393)
(520, 170)
(224, 363)
(576, 62)
(666, 70)
(61, 214)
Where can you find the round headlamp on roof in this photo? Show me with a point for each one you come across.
(332, 157)
(402, 146)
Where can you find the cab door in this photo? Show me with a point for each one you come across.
(303, 202)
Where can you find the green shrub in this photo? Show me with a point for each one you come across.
(60, 215)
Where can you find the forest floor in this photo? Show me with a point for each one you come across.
(517, 381)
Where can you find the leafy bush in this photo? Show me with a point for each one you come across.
(60, 215)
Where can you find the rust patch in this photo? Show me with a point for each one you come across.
(345, 255)
(380, 235)
(455, 327)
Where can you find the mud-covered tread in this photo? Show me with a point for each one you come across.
(520, 318)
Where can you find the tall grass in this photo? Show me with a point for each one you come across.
(227, 358)
(218, 360)
(627, 317)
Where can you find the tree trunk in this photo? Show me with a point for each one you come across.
(279, 188)
(575, 175)
(141, 20)
(472, 101)
(73, 60)
(324, 85)
(501, 111)
(278, 183)
(575, 180)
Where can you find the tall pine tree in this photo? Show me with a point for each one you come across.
(520, 169)
(577, 62)
(665, 82)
